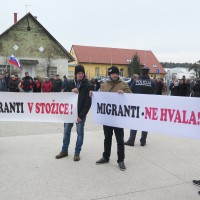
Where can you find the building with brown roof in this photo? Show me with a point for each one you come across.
(97, 60)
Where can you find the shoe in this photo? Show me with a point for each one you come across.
(122, 166)
(142, 144)
(102, 161)
(76, 157)
(61, 155)
(196, 182)
(128, 143)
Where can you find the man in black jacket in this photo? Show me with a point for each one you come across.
(143, 85)
(3, 86)
(81, 85)
(196, 89)
(27, 83)
(57, 84)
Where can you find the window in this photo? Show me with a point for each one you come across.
(121, 72)
(52, 70)
(97, 71)
(4, 68)
(71, 73)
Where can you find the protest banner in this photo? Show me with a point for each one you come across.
(155, 113)
(38, 107)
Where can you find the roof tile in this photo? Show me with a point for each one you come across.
(116, 56)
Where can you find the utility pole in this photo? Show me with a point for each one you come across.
(145, 58)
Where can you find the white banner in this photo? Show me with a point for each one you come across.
(155, 113)
(38, 107)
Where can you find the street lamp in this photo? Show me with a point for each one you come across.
(128, 60)
(90, 66)
(111, 59)
(28, 26)
(168, 81)
(145, 58)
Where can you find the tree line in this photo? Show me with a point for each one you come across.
(190, 66)
(135, 66)
(174, 65)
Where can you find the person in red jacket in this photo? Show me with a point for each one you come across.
(47, 85)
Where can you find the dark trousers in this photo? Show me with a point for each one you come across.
(119, 134)
(133, 135)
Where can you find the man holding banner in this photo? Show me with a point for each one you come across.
(82, 87)
(114, 84)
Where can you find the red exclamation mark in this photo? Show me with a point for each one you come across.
(71, 109)
(198, 118)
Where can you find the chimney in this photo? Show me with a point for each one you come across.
(15, 18)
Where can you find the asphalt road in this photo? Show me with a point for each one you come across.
(162, 170)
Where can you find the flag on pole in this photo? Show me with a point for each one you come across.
(14, 61)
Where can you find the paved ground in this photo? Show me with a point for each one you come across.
(162, 170)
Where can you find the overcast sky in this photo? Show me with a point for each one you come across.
(169, 28)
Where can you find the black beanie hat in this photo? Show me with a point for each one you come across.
(145, 70)
(113, 70)
(79, 68)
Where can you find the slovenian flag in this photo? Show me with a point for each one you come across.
(14, 61)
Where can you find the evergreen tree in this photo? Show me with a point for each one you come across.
(134, 66)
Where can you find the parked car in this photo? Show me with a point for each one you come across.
(99, 78)
(126, 80)
(105, 79)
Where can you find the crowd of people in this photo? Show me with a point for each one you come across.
(178, 87)
(28, 84)
(140, 84)
(185, 87)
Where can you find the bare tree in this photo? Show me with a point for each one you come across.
(196, 68)
(50, 53)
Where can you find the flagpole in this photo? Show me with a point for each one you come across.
(6, 67)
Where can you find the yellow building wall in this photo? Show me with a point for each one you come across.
(92, 70)
(155, 76)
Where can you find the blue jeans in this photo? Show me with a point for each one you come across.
(67, 134)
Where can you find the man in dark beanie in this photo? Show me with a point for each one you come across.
(27, 83)
(114, 84)
(80, 85)
(113, 70)
(79, 68)
(143, 85)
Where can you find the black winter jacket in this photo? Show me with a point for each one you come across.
(27, 83)
(196, 89)
(174, 88)
(57, 85)
(84, 100)
(143, 85)
(13, 85)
